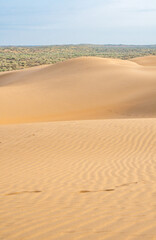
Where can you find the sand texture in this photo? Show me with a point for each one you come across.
(78, 151)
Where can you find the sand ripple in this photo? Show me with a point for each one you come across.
(78, 180)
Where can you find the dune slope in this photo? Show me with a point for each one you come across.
(78, 180)
(82, 88)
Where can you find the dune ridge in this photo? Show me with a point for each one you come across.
(77, 89)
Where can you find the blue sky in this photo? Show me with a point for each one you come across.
(47, 22)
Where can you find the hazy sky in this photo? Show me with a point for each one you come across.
(41, 22)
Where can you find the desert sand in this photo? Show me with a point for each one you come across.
(79, 89)
(78, 151)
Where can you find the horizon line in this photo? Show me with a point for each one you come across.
(72, 44)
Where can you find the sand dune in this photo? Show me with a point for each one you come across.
(80, 179)
(82, 88)
(146, 61)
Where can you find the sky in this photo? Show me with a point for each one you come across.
(48, 22)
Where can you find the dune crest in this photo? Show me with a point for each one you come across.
(78, 89)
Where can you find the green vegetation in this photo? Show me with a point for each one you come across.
(13, 58)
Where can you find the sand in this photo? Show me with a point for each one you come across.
(146, 61)
(79, 89)
(78, 151)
